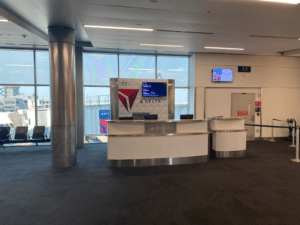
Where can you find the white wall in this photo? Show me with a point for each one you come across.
(218, 102)
(277, 77)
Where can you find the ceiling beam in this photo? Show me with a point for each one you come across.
(21, 23)
(291, 53)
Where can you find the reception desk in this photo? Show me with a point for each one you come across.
(135, 143)
(228, 136)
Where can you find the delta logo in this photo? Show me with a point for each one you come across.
(127, 97)
(150, 101)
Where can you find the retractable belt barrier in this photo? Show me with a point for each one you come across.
(297, 137)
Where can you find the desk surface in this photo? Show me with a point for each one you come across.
(226, 118)
(156, 121)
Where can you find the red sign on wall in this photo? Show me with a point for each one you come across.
(242, 113)
(257, 103)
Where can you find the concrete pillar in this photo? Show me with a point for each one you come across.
(63, 114)
(79, 97)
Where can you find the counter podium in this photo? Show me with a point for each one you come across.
(228, 136)
(135, 143)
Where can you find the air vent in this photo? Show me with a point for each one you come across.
(186, 32)
(261, 36)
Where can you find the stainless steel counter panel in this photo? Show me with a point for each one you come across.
(157, 161)
(230, 154)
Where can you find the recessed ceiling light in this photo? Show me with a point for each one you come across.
(284, 1)
(3, 20)
(171, 46)
(225, 48)
(118, 28)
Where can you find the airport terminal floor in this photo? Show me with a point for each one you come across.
(260, 188)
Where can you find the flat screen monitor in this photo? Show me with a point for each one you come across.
(151, 117)
(222, 75)
(154, 89)
(139, 116)
(125, 118)
(187, 117)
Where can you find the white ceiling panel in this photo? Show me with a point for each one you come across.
(202, 18)
(146, 4)
(120, 12)
(231, 22)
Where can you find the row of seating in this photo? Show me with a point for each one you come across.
(22, 136)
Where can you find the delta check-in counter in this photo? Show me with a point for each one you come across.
(135, 143)
(228, 136)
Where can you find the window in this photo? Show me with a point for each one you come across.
(21, 106)
(96, 99)
(181, 102)
(42, 67)
(99, 68)
(17, 114)
(174, 68)
(16, 67)
(43, 108)
(137, 66)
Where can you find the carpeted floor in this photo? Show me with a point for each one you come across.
(262, 188)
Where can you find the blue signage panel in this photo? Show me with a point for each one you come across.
(103, 116)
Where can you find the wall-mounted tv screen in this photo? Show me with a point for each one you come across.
(222, 75)
(154, 89)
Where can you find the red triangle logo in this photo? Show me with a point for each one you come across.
(131, 93)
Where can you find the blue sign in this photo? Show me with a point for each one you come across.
(103, 116)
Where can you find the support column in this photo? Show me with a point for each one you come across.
(79, 98)
(63, 114)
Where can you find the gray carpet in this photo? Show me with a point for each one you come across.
(262, 188)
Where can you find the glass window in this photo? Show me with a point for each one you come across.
(174, 68)
(16, 67)
(181, 102)
(17, 107)
(137, 66)
(43, 108)
(99, 68)
(42, 67)
(96, 103)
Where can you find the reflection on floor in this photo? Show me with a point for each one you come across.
(96, 139)
(261, 188)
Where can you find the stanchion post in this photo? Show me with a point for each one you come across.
(297, 147)
(272, 139)
(293, 133)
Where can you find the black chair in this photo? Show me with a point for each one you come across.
(125, 118)
(151, 117)
(187, 117)
(4, 135)
(38, 132)
(21, 133)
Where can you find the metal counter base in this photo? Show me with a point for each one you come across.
(229, 154)
(157, 161)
